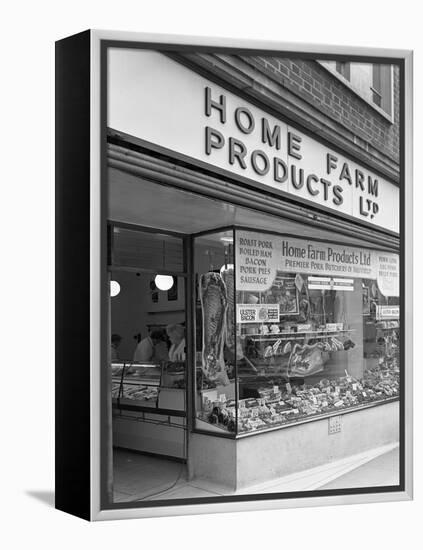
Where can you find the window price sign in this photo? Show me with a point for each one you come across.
(387, 312)
(260, 257)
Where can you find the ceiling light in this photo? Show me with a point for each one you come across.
(226, 267)
(227, 239)
(114, 288)
(163, 282)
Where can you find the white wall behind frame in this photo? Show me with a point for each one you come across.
(30, 29)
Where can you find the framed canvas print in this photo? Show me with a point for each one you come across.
(234, 299)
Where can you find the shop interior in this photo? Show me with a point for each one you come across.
(148, 324)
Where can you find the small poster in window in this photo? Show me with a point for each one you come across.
(387, 312)
(366, 300)
(259, 313)
(284, 292)
(330, 283)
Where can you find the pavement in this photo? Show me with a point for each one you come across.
(382, 470)
(140, 477)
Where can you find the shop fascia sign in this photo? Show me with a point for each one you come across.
(259, 257)
(280, 153)
(162, 102)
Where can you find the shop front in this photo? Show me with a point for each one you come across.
(305, 330)
(255, 329)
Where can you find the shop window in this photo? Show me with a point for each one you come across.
(316, 330)
(215, 332)
(148, 334)
(155, 250)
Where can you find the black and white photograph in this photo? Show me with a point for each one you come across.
(253, 313)
(211, 275)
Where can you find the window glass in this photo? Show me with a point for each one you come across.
(376, 87)
(313, 329)
(373, 82)
(316, 336)
(133, 248)
(215, 332)
(343, 69)
(147, 319)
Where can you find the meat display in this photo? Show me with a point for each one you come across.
(214, 305)
(306, 359)
(278, 403)
(228, 279)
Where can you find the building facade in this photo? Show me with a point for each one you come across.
(266, 190)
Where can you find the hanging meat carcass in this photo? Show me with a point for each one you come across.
(228, 279)
(214, 304)
(231, 341)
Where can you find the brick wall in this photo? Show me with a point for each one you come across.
(322, 91)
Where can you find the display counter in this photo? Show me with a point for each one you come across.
(149, 409)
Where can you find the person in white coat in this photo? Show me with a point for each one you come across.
(176, 334)
(147, 349)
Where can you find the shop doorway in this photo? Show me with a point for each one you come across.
(148, 360)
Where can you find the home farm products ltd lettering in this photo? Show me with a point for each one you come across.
(279, 153)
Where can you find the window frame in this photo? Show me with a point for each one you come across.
(303, 420)
(346, 82)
